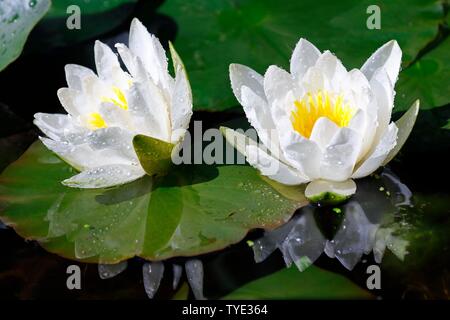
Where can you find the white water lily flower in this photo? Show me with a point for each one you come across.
(321, 123)
(106, 110)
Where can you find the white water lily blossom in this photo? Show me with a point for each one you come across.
(106, 110)
(320, 123)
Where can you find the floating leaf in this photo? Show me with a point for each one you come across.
(428, 79)
(258, 33)
(17, 18)
(192, 210)
(314, 283)
(96, 18)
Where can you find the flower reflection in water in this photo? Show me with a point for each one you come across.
(368, 223)
(153, 272)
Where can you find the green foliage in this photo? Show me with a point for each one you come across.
(258, 33)
(96, 18)
(290, 283)
(17, 18)
(192, 210)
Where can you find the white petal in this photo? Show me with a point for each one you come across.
(377, 157)
(75, 75)
(303, 154)
(181, 106)
(340, 156)
(314, 80)
(404, 125)
(128, 58)
(105, 60)
(113, 138)
(53, 125)
(82, 156)
(94, 90)
(108, 67)
(149, 110)
(73, 101)
(384, 95)
(389, 57)
(332, 70)
(115, 116)
(323, 131)
(277, 83)
(358, 121)
(61, 128)
(148, 48)
(258, 114)
(273, 168)
(356, 89)
(105, 176)
(77, 156)
(358, 92)
(317, 188)
(365, 126)
(241, 75)
(181, 98)
(268, 165)
(304, 56)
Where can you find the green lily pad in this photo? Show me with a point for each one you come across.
(192, 210)
(258, 33)
(96, 18)
(17, 18)
(313, 283)
(428, 79)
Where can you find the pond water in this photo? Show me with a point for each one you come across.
(384, 224)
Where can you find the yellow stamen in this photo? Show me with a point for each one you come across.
(96, 121)
(321, 104)
(119, 100)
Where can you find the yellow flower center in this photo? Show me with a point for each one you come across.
(95, 120)
(119, 100)
(321, 104)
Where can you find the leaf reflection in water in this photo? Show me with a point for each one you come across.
(367, 224)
